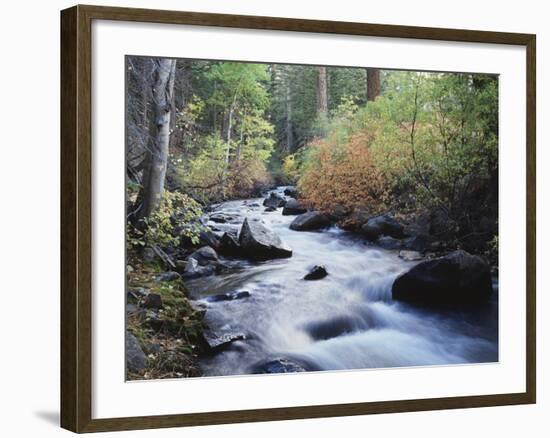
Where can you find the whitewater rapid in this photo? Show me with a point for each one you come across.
(347, 320)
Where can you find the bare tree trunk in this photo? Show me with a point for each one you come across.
(163, 88)
(228, 134)
(228, 140)
(322, 91)
(173, 108)
(373, 83)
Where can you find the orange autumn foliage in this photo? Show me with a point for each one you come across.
(343, 176)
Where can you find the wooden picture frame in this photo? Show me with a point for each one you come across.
(76, 217)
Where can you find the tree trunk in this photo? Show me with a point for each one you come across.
(373, 83)
(228, 134)
(163, 87)
(173, 108)
(322, 92)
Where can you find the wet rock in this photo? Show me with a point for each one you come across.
(334, 327)
(270, 209)
(180, 266)
(204, 261)
(229, 245)
(220, 218)
(205, 256)
(457, 278)
(312, 220)
(291, 191)
(356, 219)
(382, 225)
(228, 296)
(260, 243)
(316, 273)
(278, 366)
(153, 301)
(388, 242)
(274, 200)
(135, 357)
(194, 270)
(410, 256)
(208, 238)
(167, 276)
(339, 213)
(293, 207)
(217, 342)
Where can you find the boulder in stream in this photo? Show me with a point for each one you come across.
(274, 200)
(291, 191)
(204, 261)
(205, 256)
(458, 278)
(382, 225)
(218, 218)
(293, 207)
(229, 296)
(335, 326)
(229, 245)
(317, 273)
(260, 243)
(312, 220)
(194, 270)
(217, 342)
(209, 238)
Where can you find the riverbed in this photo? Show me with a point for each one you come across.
(346, 320)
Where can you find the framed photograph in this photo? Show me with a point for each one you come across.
(302, 218)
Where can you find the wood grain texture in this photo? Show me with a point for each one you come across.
(76, 222)
(69, 347)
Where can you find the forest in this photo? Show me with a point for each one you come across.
(401, 165)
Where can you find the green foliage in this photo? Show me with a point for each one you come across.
(291, 167)
(431, 140)
(229, 138)
(238, 80)
(177, 217)
(428, 142)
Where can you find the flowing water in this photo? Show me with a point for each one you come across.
(345, 321)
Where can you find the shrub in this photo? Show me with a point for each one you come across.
(177, 216)
(344, 175)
